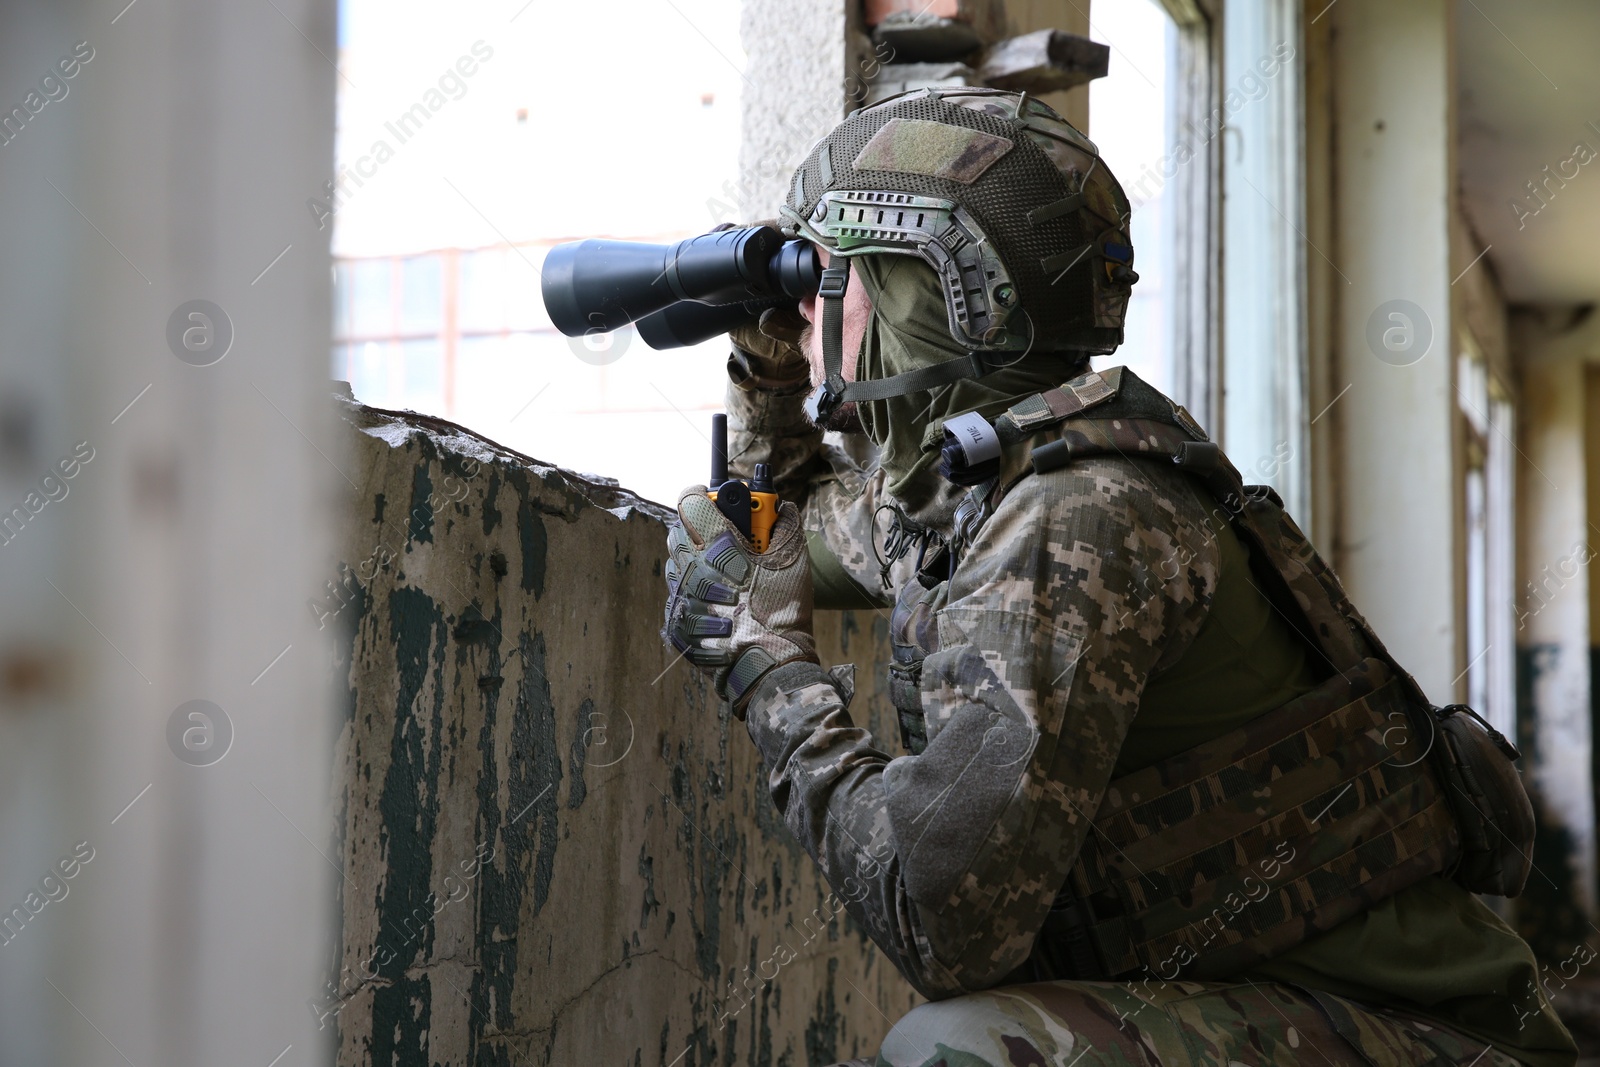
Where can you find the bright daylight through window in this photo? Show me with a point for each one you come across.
(453, 186)
(1129, 121)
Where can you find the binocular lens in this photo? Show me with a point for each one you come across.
(700, 287)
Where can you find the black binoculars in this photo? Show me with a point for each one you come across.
(679, 294)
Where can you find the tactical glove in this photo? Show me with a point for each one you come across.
(732, 611)
(767, 354)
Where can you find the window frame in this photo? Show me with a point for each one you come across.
(1195, 340)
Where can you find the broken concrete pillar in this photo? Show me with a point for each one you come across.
(897, 78)
(1044, 61)
(970, 42)
(986, 17)
(920, 32)
(556, 841)
(1068, 16)
(810, 63)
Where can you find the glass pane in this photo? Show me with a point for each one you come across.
(1478, 643)
(1129, 122)
(339, 363)
(422, 297)
(369, 365)
(423, 369)
(524, 303)
(341, 299)
(499, 381)
(483, 282)
(1501, 567)
(371, 304)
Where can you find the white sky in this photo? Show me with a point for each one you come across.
(617, 140)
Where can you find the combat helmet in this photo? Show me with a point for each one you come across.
(1013, 208)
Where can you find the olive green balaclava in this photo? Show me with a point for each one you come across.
(908, 330)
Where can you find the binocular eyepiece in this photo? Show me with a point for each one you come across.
(678, 294)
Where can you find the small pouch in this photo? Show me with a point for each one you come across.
(910, 638)
(1476, 765)
(905, 693)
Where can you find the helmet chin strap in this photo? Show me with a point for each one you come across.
(834, 392)
(828, 397)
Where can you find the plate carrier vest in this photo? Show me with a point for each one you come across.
(1255, 841)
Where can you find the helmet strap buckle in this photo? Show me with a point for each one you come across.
(830, 395)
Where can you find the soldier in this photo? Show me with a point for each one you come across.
(1165, 797)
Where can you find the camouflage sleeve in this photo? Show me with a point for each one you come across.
(840, 514)
(767, 423)
(1071, 597)
(838, 495)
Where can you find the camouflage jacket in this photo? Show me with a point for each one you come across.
(1039, 647)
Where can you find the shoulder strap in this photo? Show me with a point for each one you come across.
(1115, 413)
(971, 454)
(1288, 570)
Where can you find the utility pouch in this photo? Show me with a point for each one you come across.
(912, 635)
(905, 693)
(1476, 767)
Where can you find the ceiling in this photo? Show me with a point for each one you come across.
(1529, 89)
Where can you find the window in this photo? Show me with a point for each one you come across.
(458, 167)
(1491, 632)
(1130, 121)
(1200, 119)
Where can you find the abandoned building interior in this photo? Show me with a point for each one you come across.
(331, 669)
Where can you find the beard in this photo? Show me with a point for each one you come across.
(844, 420)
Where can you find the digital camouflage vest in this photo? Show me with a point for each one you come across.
(1257, 840)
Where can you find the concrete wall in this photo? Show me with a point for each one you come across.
(1556, 351)
(798, 68)
(808, 61)
(556, 846)
(1553, 614)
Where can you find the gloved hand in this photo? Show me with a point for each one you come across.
(767, 357)
(734, 612)
(766, 354)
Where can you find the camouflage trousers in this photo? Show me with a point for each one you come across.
(1110, 1024)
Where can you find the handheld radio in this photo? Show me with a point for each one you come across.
(752, 508)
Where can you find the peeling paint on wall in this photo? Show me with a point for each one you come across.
(555, 843)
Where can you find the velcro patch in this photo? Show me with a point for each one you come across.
(1090, 389)
(938, 150)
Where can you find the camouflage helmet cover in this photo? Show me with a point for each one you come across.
(1011, 205)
